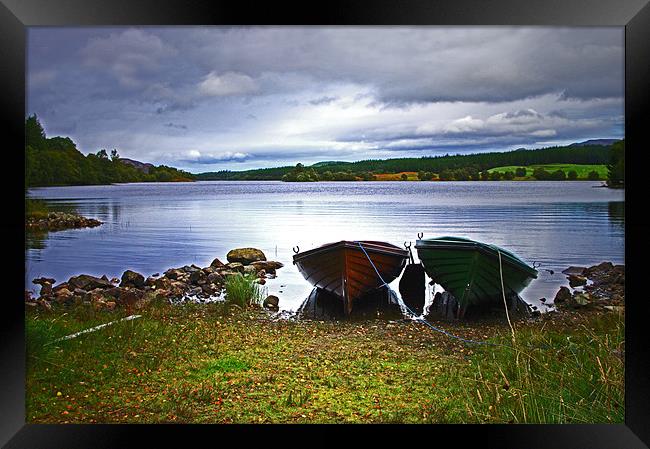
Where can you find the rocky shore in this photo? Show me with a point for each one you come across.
(134, 291)
(57, 221)
(599, 287)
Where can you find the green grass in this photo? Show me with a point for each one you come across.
(581, 170)
(243, 291)
(556, 377)
(211, 363)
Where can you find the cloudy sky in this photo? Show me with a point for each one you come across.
(211, 98)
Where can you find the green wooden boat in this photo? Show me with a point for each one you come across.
(469, 270)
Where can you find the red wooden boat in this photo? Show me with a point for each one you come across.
(343, 268)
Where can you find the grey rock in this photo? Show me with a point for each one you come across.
(132, 279)
(87, 282)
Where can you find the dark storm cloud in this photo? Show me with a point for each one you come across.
(278, 93)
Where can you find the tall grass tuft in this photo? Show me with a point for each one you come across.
(553, 377)
(243, 290)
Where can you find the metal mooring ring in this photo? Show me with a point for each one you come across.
(420, 235)
(296, 249)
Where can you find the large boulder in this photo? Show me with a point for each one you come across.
(563, 295)
(87, 282)
(245, 256)
(132, 279)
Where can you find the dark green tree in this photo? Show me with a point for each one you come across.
(520, 172)
(572, 175)
(541, 175)
(593, 176)
(558, 175)
(616, 166)
(495, 176)
(34, 133)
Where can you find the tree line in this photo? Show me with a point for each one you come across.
(56, 161)
(448, 167)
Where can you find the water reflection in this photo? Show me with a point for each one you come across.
(616, 211)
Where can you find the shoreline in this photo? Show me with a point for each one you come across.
(134, 291)
(600, 286)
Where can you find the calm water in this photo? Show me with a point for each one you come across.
(152, 227)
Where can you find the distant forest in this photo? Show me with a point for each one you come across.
(56, 161)
(447, 167)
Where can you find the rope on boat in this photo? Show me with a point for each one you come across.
(422, 320)
(505, 303)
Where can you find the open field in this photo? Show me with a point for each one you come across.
(582, 170)
(411, 175)
(213, 363)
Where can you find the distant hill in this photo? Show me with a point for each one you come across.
(604, 142)
(144, 167)
(582, 153)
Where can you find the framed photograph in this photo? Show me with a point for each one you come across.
(407, 213)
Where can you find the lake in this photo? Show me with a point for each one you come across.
(150, 227)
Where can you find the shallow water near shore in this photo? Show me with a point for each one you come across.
(150, 227)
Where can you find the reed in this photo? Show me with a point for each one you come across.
(243, 291)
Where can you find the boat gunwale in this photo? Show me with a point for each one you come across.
(471, 245)
(383, 248)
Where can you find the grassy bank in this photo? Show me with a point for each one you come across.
(213, 363)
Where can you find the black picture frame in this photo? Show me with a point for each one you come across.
(16, 15)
